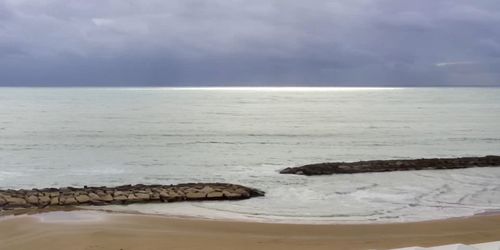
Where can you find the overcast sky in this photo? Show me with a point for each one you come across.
(250, 42)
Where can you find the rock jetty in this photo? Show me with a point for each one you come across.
(71, 196)
(393, 165)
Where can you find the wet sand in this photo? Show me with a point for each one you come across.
(97, 230)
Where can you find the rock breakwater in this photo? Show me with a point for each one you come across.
(70, 196)
(393, 165)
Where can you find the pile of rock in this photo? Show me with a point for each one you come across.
(40, 198)
(393, 165)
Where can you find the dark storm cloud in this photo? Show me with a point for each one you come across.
(233, 42)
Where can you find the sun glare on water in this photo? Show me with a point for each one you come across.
(281, 89)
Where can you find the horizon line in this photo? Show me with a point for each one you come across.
(245, 86)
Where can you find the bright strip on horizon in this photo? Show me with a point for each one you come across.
(288, 89)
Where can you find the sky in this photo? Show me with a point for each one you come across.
(250, 43)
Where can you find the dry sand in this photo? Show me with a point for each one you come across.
(92, 231)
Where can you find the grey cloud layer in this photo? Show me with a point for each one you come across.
(258, 42)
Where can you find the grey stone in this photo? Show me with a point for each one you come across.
(120, 198)
(71, 201)
(164, 194)
(155, 196)
(106, 197)
(119, 193)
(32, 199)
(230, 195)
(2, 201)
(132, 197)
(206, 190)
(242, 192)
(215, 194)
(195, 195)
(94, 197)
(44, 200)
(54, 201)
(142, 196)
(82, 198)
(52, 194)
(16, 201)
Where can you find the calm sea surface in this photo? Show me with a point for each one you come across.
(113, 136)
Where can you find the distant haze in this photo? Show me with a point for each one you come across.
(249, 42)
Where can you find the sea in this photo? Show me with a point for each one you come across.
(57, 137)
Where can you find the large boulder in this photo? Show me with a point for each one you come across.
(154, 196)
(15, 201)
(94, 197)
(106, 197)
(142, 196)
(170, 196)
(132, 198)
(215, 195)
(195, 195)
(53, 194)
(70, 201)
(44, 200)
(206, 190)
(242, 192)
(32, 199)
(230, 195)
(120, 198)
(82, 198)
(54, 201)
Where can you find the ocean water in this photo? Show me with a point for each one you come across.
(53, 137)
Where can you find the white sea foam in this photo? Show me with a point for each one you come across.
(108, 136)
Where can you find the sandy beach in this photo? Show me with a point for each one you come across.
(81, 230)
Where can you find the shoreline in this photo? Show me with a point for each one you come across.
(278, 222)
(27, 212)
(88, 229)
